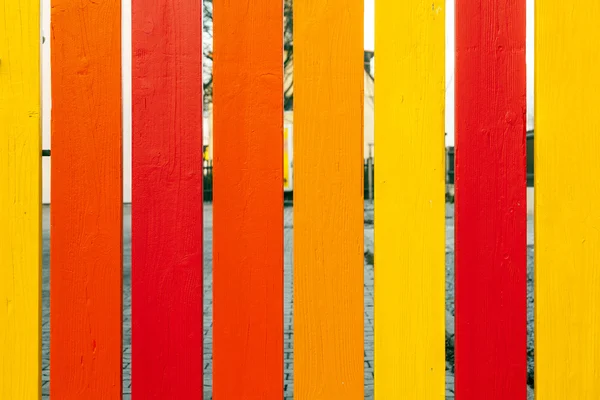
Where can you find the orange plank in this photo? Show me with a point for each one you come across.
(248, 200)
(328, 200)
(86, 215)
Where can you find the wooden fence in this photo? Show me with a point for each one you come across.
(86, 220)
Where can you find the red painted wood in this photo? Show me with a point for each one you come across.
(248, 200)
(86, 215)
(167, 200)
(490, 200)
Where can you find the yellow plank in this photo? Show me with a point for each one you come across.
(567, 200)
(20, 199)
(410, 200)
(328, 200)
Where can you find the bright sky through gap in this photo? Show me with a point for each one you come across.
(370, 45)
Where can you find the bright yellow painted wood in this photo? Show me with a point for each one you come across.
(409, 200)
(567, 200)
(328, 200)
(20, 199)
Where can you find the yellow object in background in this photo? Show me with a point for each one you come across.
(410, 200)
(20, 200)
(286, 160)
(567, 200)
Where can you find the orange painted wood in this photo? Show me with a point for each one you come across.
(86, 214)
(328, 200)
(167, 200)
(248, 200)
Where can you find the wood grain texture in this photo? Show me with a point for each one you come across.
(20, 200)
(248, 200)
(328, 200)
(86, 219)
(491, 220)
(410, 204)
(167, 200)
(567, 209)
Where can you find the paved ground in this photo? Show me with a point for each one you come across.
(288, 318)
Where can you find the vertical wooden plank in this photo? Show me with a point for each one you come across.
(86, 219)
(491, 221)
(567, 209)
(248, 200)
(410, 204)
(20, 200)
(167, 200)
(328, 200)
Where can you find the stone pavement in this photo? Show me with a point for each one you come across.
(288, 310)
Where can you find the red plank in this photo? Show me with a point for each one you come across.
(490, 200)
(248, 200)
(167, 200)
(86, 220)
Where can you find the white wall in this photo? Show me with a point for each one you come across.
(46, 99)
(369, 117)
(126, 72)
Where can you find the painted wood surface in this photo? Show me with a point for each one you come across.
(491, 224)
(167, 200)
(328, 200)
(86, 218)
(410, 204)
(20, 200)
(567, 209)
(248, 200)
